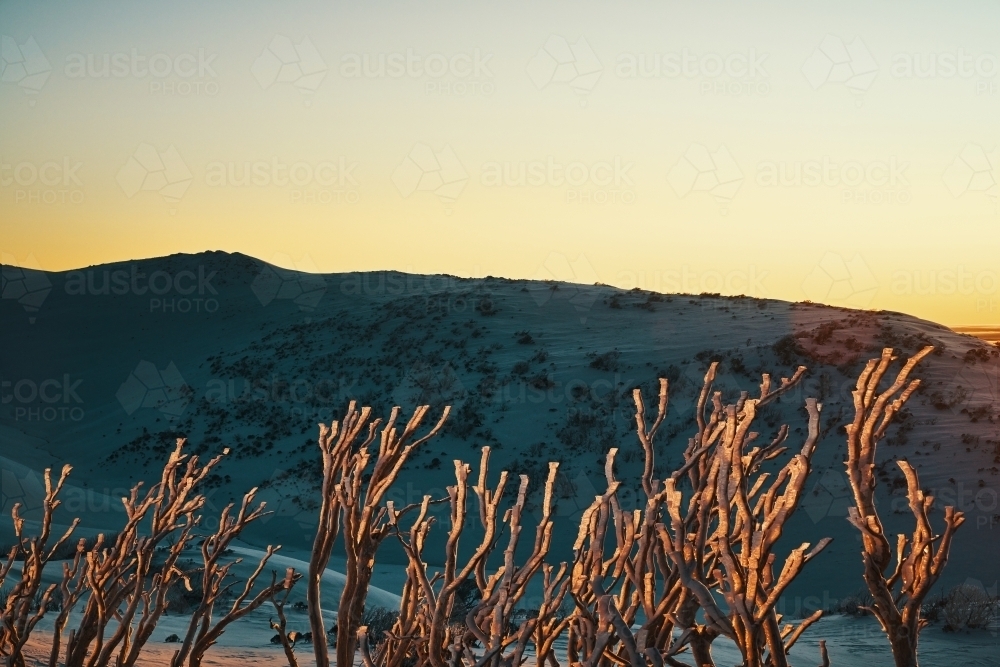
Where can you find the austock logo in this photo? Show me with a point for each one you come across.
(49, 182)
(290, 498)
(732, 74)
(49, 400)
(978, 502)
(686, 389)
(23, 64)
(701, 170)
(830, 496)
(835, 281)
(456, 74)
(430, 384)
(305, 399)
(582, 492)
(685, 280)
(981, 67)
(19, 484)
(427, 170)
(184, 291)
(26, 284)
(559, 62)
(148, 387)
(283, 61)
(688, 65)
(975, 390)
(975, 170)
(834, 62)
(955, 281)
(303, 285)
(149, 170)
(601, 182)
(397, 65)
(325, 182)
(183, 75)
(557, 268)
(870, 181)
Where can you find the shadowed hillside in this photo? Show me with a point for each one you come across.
(112, 363)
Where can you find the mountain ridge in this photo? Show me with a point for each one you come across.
(538, 370)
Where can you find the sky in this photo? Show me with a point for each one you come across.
(837, 152)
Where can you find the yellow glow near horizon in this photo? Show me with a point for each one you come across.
(845, 154)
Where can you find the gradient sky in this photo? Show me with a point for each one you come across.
(888, 114)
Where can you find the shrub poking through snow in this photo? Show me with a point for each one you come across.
(967, 607)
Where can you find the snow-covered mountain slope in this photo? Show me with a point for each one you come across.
(113, 362)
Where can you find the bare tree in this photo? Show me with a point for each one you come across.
(736, 557)
(72, 587)
(423, 631)
(203, 631)
(365, 519)
(20, 615)
(429, 599)
(119, 580)
(750, 525)
(285, 638)
(122, 577)
(345, 463)
(897, 593)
